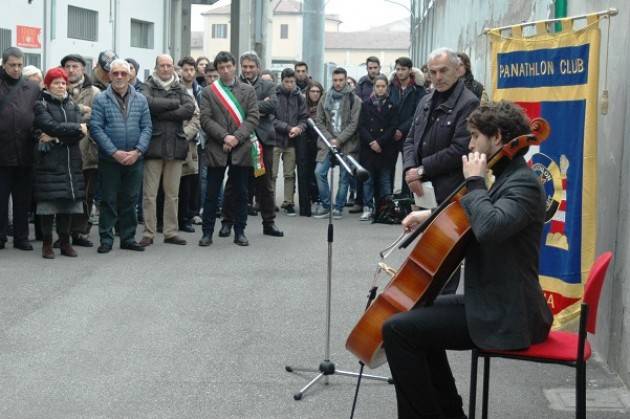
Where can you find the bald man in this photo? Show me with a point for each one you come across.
(170, 105)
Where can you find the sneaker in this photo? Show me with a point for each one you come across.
(366, 215)
(321, 212)
(289, 210)
(337, 214)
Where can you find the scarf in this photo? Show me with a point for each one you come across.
(334, 96)
(166, 85)
(378, 101)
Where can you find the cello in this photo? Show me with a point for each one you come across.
(435, 257)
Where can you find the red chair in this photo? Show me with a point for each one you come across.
(563, 348)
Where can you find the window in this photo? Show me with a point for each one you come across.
(5, 38)
(82, 24)
(141, 34)
(284, 31)
(219, 30)
(33, 59)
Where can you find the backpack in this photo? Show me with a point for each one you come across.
(392, 209)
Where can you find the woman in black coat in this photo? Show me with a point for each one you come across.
(58, 184)
(377, 125)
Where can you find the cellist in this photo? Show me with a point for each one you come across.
(503, 306)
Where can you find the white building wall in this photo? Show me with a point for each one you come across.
(19, 12)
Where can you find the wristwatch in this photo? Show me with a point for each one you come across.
(420, 171)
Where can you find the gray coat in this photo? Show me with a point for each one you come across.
(217, 123)
(505, 306)
(267, 103)
(348, 139)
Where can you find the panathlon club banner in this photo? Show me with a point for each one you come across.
(555, 76)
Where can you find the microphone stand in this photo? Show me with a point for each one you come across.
(327, 367)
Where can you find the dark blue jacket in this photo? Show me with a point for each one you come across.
(406, 102)
(113, 131)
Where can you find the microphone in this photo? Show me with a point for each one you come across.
(357, 170)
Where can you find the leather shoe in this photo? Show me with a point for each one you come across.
(104, 248)
(175, 240)
(146, 241)
(272, 230)
(67, 250)
(205, 241)
(226, 230)
(187, 228)
(241, 239)
(81, 242)
(22, 245)
(134, 245)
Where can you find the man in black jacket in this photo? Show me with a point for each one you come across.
(170, 106)
(262, 186)
(17, 98)
(503, 306)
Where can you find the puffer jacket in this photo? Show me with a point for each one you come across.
(290, 112)
(348, 138)
(113, 131)
(169, 109)
(16, 122)
(83, 96)
(406, 101)
(57, 172)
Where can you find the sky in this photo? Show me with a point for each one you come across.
(356, 15)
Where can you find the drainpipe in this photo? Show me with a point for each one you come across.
(560, 11)
(45, 37)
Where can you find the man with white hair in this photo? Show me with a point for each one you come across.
(121, 125)
(438, 137)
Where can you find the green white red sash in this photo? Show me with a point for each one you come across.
(238, 115)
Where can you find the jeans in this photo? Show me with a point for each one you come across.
(381, 179)
(321, 175)
(238, 177)
(120, 187)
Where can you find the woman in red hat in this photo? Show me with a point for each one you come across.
(58, 183)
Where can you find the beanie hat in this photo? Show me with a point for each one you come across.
(55, 73)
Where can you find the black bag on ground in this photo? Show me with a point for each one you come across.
(392, 209)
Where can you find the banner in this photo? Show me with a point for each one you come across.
(555, 76)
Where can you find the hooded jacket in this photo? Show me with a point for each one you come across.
(290, 112)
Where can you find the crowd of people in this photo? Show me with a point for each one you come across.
(81, 147)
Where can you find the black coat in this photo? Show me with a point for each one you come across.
(379, 125)
(169, 109)
(267, 102)
(406, 103)
(57, 172)
(505, 306)
(440, 149)
(16, 122)
(290, 112)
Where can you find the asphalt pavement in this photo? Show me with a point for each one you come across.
(192, 332)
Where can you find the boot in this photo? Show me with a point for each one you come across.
(66, 247)
(47, 248)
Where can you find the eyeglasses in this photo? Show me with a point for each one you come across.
(120, 73)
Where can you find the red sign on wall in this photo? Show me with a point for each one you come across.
(28, 37)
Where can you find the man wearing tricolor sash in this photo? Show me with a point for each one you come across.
(229, 116)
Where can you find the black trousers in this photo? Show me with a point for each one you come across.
(186, 205)
(237, 177)
(17, 183)
(415, 343)
(262, 188)
(307, 185)
(81, 222)
(64, 225)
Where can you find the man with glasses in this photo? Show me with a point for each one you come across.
(121, 125)
(17, 97)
